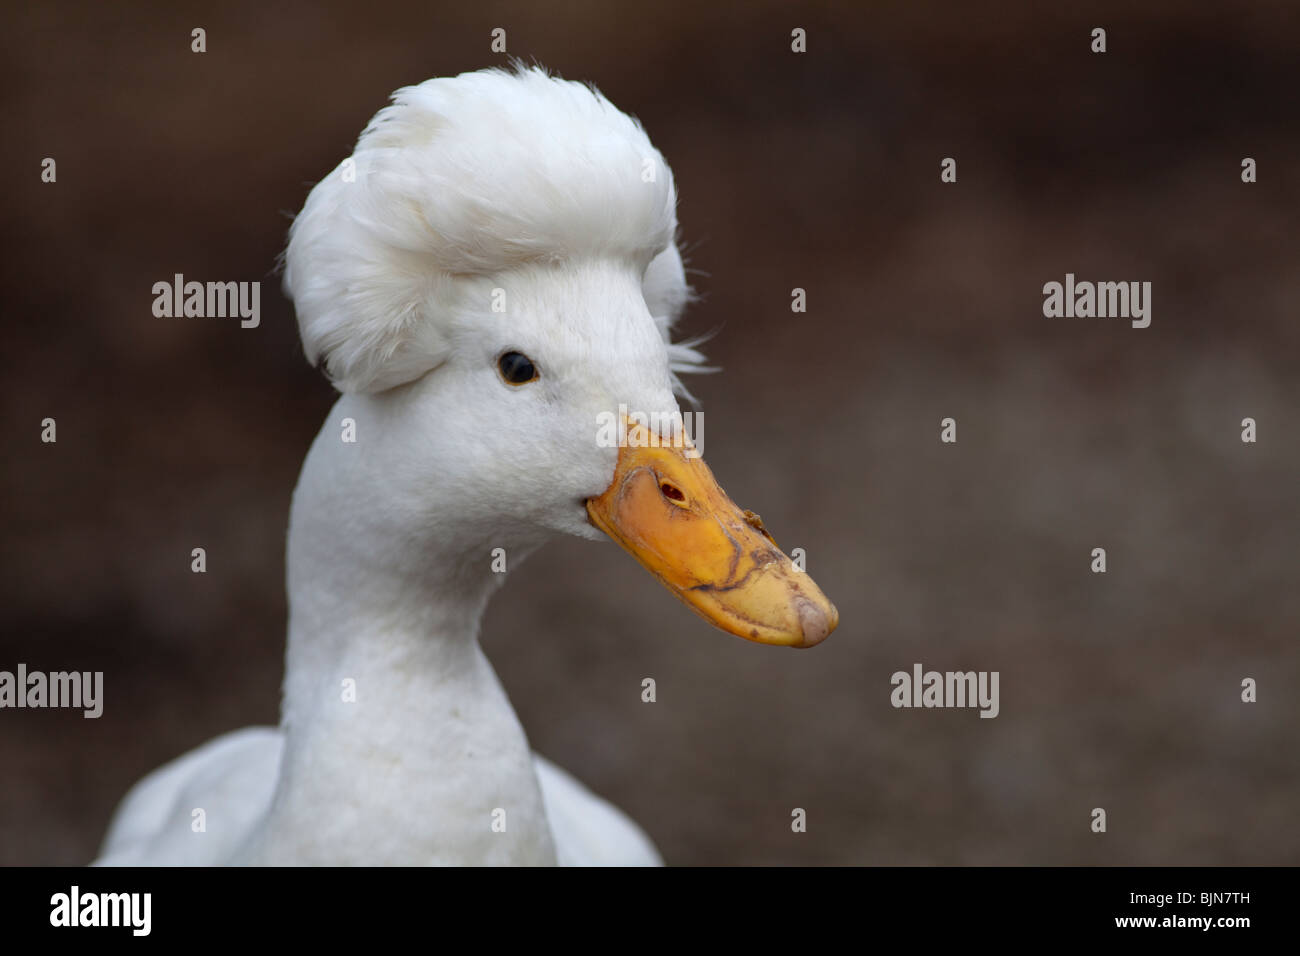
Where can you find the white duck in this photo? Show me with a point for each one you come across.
(487, 280)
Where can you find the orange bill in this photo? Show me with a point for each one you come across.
(666, 509)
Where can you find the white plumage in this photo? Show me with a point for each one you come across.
(488, 212)
(463, 179)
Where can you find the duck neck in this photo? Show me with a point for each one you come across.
(400, 743)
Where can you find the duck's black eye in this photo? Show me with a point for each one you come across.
(516, 368)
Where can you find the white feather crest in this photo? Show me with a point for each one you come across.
(463, 177)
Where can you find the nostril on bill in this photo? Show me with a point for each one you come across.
(671, 491)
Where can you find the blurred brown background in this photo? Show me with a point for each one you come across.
(924, 300)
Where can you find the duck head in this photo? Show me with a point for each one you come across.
(494, 273)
